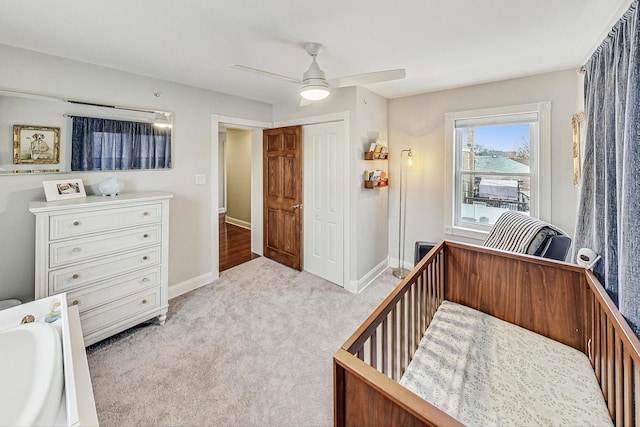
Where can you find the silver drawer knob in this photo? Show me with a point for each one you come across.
(76, 223)
(75, 302)
(76, 250)
(144, 301)
(144, 258)
(145, 236)
(146, 214)
(75, 276)
(146, 280)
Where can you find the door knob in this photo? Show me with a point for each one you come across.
(297, 206)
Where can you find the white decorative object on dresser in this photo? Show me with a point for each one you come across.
(109, 254)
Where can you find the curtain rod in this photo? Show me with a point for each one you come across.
(116, 118)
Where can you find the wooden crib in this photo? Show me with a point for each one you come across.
(561, 301)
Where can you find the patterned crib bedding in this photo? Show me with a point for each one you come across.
(484, 371)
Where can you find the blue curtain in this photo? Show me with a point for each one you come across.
(103, 144)
(609, 210)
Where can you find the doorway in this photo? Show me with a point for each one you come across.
(234, 197)
(342, 174)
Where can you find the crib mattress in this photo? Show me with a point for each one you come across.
(484, 371)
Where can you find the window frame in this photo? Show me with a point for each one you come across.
(540, 163)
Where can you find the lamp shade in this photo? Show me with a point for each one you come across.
(314, 92)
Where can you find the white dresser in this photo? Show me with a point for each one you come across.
(109, 254)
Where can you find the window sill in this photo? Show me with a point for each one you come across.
(468, 233)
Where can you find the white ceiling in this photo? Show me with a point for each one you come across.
(441, 43)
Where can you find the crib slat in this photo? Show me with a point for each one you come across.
(603, 356)
(592, 342)
(407, 344)
(417, 319)
(436, 283)
(434, 280)
(611, 396)
(441, 276)
(628, 390)
(403, 331)
(636, 388)
(412, 319)
(373, 349)
(436, 287)
(423, 303)
(596, 341)
(420, 306)
(618, 379)
(427, 302)
(384, 349)
(430, 293)
(409, 322)
(394, 345)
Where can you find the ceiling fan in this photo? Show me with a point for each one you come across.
(314, 85)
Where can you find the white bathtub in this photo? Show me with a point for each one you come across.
(43, 366)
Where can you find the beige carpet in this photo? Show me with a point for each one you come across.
(253, 348)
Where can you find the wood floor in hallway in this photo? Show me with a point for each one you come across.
(235, 245)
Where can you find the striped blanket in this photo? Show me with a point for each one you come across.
(516, 232)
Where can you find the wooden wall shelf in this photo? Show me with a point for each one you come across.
(376, 183)
(371, 155)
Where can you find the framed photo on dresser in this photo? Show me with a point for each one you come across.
(63, 189)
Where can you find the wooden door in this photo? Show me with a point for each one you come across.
(282, 168)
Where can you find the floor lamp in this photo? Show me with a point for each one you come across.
(402, 272)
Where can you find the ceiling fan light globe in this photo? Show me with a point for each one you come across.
(314, 92)
(314, 89)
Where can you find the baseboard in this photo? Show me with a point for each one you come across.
(239, 222)
(351, 286)
(360, 285)
(190, 285)
(222, 210)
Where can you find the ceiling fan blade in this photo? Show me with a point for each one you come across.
(369, 78)
(304, 102)
(265, 73)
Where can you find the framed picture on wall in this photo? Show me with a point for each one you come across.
(36, 144)
(63, 189)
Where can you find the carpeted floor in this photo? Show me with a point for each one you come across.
(253, 348)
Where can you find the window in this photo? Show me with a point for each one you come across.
(104, 144)
(497, 160)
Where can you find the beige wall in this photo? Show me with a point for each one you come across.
(419, 122)
(238, 168)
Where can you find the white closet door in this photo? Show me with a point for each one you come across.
(324, 186)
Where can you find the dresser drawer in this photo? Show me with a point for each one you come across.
(100, 293)
(78, 275)
(116, 311)
(76, 250)
(81, 223)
